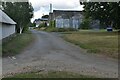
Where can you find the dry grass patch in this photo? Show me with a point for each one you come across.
(95, 42)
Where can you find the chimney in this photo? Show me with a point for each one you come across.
(50, 8)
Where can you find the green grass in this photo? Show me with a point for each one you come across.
(53, 29)
(16, 44)
(101, 42)
(0, 50)
(50, 74)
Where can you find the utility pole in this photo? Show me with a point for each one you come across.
(50, 8)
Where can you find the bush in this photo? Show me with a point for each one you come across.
(52, 24)
(52, 29)
(85, 24)
(25, 29)
(42, 25)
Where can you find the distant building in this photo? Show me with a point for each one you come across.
(66, 18)
(40, 21)
(7, 25)
(37, 22)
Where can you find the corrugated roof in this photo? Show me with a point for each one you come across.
(4, 18)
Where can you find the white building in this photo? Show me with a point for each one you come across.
(41, 21)
(7, 25)
(67, 18)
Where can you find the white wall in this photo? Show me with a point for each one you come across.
(0, 31)
(7, 30)
(75, 23)
(59, 23)
(66, 23)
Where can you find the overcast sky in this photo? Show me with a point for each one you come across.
(42, 6)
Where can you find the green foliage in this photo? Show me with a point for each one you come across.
(43, 25)
(45, 16)
(51, 74)
(106, 12)
(53, 29)
(20, 12)
(85, 24)
(19, 42)
(52, 24)
(25, 29)
(32, 24)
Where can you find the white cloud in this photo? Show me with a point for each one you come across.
(42, 6)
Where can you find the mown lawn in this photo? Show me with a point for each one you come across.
(101, 42)
(16, 44)
(50, 74)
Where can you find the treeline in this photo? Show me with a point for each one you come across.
(108, 13)
(20, 12)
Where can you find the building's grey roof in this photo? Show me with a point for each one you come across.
(4, 18)
(66, 11)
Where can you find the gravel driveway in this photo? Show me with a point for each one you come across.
(50, 52)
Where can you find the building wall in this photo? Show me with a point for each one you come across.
(59, 23)
(0, 31)
(68, 19)
(7, 30)
(75, 23)
(68, 23)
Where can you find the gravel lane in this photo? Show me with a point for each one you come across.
(50, 52)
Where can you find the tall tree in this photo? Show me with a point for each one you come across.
(20, 12)
(106, 12)
(45, 16)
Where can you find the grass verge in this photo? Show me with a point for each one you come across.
(50, 74)
(53, 29)
(101, 42)
(16, 44)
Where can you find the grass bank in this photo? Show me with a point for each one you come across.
(101, 42)
(16, 44)
(53, 29)
(50, 74)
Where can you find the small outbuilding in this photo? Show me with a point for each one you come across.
(7, 25)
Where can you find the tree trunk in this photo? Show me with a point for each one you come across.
(21, 29)
(111, 24)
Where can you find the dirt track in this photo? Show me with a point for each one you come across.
(50, 52)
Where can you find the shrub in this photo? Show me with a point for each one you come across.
(42, 25)
(85, 24)
(52, 24)
(53, 29)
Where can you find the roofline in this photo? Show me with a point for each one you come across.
(8, 22)
(3, 18)
(67, 11)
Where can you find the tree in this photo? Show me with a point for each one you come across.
(20, 12)
(32, 25)
(85, 24)
(45, 16)
(106, 12)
